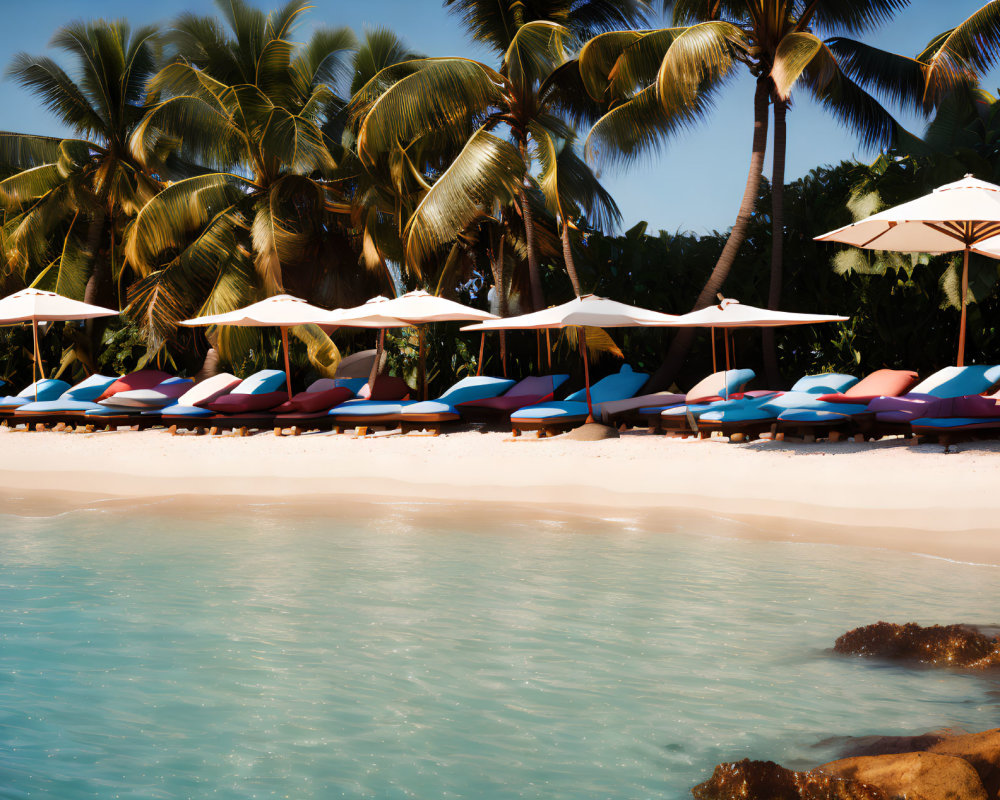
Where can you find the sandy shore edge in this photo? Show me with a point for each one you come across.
(889, 495)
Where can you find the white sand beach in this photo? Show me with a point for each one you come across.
(886, 494)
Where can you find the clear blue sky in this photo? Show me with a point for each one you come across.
(695, 184)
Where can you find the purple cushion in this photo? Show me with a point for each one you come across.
(244, 403)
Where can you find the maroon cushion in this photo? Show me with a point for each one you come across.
(243, 403)
(388, 387)
(142, 379)
(310, 402)
(506, 402)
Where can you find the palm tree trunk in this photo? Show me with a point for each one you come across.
(534, 276)
(771, 370)
(665, 375)
(568, 257)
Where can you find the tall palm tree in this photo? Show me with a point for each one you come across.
(68, 201)
(527, 101)
(248, 104)
(657, 82)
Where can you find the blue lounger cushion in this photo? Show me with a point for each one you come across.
(554, 410)
(263, 382)
(467, 390)
(947, 423)
(824, 383)
(81, 397)
(56, 406)
(619, 386)
(370, 408)
(177, 410)
(818, 416)
(959, 381)
(47, 389)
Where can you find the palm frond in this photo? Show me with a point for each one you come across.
(487, 170)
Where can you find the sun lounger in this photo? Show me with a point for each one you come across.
(717, 386)
(712, 387)
(260, 392)
(490, 399)
(961, 419)
(305, 412)
(43, 390)
(68, 408)
(526, 392)
(838, 414)
(558, 416)
(895, 415)
(756, 412)
(129, 408)
(310, 410)
(429, 413)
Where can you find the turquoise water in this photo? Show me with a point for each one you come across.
(416, 652)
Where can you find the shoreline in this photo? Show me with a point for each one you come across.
(888, 494)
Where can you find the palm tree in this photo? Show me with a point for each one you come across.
(465, 104)
(68, 201)
(963, 54)
(260, 218)
(657, 82)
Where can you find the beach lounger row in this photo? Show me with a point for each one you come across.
(949, 405)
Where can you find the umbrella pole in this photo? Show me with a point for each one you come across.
(715, 368)
(725, 337)
(288, 373)
(548, 348)
(379, 348)
(482, 345)
(965, 293)
(538, 349)
(37, 361)
(586, 372)
(422, 364)
(503, 351)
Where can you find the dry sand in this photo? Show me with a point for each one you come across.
(887, 494)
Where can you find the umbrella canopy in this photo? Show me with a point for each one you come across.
(588, 310)
(412, 309)
(729, 313)
(956, 216)
(282, 311)
(35, 305)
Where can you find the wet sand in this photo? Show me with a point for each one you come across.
(888, 494)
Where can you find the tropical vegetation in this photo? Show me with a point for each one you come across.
(218, 160)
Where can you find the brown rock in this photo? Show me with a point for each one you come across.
(916, 776)
(765, 780)
(948, 645)
(851, 746)
(981, 750)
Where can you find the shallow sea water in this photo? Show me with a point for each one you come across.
(389, 651)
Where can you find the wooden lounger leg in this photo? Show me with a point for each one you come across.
(213, 431)
(172, 430)
(836, 436)
(515, 432)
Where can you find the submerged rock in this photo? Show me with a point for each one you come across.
(981, 750)
(916, 776)
(765, 780)
(940, 645)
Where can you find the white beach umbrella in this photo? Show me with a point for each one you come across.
(955, 217)
(367, 316)
(413, 309)
(281, 311)
(588, 310)
(729, 313)
(35, 305)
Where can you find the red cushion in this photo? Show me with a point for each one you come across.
(849, 398)
(142, 379)
(310, 402)
(883, 383)
(388, 387)
(243, 403)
